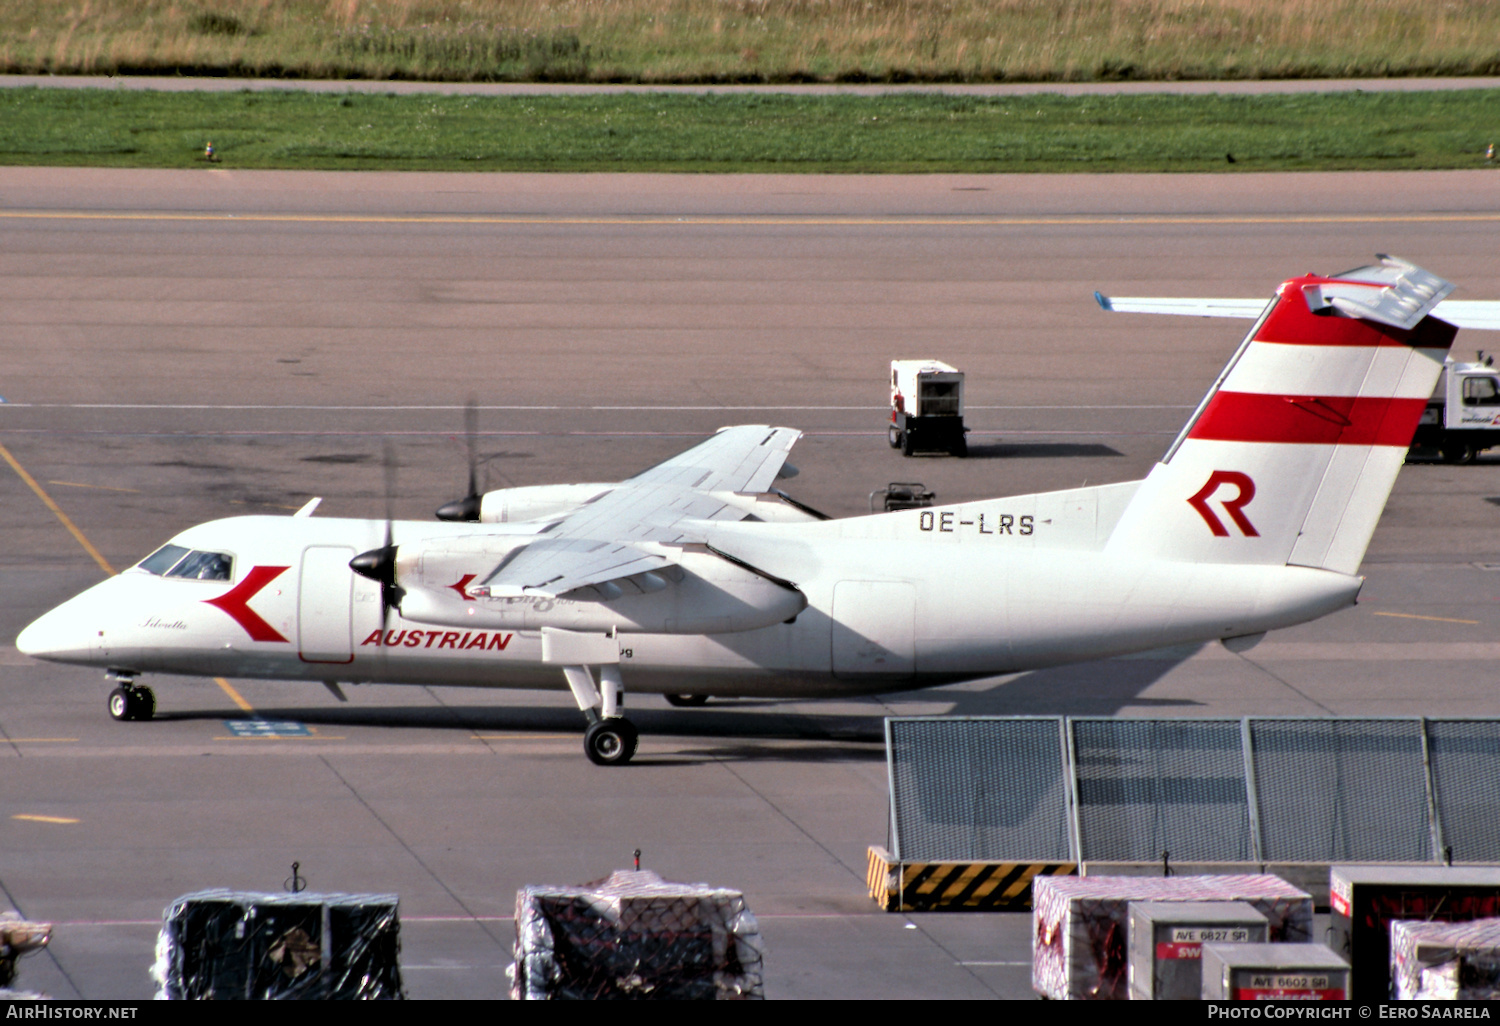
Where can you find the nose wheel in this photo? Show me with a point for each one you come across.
(132, 703)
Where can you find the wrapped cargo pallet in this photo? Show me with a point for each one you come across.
(19, 937)
(1079, 941)
(1445, 961)
(234, 945)
(633, 936)
(1365, 900)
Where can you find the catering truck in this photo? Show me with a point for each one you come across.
(1463, 416)
(927, 408)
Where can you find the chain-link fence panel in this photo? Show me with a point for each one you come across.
(1341, 790)
(1465, 758)
(984, 789)
(1151, 786)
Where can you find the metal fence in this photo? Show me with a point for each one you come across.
(1260, 790)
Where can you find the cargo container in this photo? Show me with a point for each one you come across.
(1167, 938)
(1273, 972)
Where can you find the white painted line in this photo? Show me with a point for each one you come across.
(221, 408)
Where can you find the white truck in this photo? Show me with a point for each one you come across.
(1463, 416)
(927, 408)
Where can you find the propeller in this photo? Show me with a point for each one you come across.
(466, 510)
(380, 564)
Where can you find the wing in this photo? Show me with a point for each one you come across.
(621, 534)
(746, 458)
(1473, 314)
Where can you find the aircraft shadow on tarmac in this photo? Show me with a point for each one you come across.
(1101, 688)
(1038, 450)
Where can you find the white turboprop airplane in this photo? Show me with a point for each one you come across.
(695, 578)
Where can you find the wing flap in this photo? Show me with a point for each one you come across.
(553, 567)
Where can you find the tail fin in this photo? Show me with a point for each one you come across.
(1292, 454)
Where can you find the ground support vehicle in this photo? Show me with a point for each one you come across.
(927, 408)
(1462, 418)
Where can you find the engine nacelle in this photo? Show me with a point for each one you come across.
(536, 502)
(701, 594)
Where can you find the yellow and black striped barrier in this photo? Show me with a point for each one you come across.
(955, 886)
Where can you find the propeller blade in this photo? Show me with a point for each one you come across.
(467, 509)
(471, 434)
(379, 565)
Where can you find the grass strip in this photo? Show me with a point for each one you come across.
(754, 40)
(751, 132)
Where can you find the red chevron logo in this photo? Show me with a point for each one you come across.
(463, 582)
(234, 602)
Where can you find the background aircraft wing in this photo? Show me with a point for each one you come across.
(1473, 314)
(746, 458)
(596, 543)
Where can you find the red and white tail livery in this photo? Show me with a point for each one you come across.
(1293, 453)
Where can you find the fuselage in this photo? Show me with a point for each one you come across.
(895, 601)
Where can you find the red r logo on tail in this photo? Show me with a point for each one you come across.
(1234, 507)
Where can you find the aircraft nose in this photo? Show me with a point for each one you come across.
(57, 637)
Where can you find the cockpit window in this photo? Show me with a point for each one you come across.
(162, 560)
(203, 566)
(176, 561)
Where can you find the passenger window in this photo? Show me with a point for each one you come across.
(204, 566)
(162, 560)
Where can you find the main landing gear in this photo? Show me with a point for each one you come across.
(611, 739)
(131, 701)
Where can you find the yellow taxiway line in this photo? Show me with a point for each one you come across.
(102, 488)
(30, 818)
(94, 553)
(78, 536)
(1436, 619)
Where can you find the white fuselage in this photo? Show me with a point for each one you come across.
(894, 601)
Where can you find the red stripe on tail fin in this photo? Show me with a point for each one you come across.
(1309, 420)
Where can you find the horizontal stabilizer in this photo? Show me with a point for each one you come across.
(1401, 296)
(1470, 314)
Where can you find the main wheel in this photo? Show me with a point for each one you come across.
(686, 701)
(893, 435)
(120, 705)
(1458, 452)
(961, 447)
(142, 703)
(907, 448)
(610, 742)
